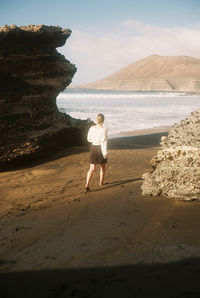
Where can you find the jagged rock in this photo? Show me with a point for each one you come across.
(32, 73)
(176, 168)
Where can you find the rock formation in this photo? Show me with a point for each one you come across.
(32, 73)
(154, 73)
(176, 168)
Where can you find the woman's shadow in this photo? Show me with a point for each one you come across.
(117, 183)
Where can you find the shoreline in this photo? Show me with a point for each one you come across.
(141, 132)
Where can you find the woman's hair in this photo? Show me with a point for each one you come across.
(100, 118)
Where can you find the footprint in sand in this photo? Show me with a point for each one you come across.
(77, 200)
(20, 228)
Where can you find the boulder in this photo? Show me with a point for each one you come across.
(176, 168)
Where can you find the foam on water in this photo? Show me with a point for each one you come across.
(128, 111)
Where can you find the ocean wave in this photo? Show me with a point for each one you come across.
(128, 95)
(129, 111)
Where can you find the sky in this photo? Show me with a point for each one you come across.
(108, 35)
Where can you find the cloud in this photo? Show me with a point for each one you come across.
(97, 55)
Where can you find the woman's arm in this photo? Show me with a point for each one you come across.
(104, 144)
(90, 135)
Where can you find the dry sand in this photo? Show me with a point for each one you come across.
(58, 241)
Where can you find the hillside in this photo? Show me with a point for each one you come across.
(154, 73)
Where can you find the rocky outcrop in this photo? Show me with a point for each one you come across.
(154, 73)
(176, 168)
(32, 73)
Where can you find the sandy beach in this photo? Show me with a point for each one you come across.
(58, 241)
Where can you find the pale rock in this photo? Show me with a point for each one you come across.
(176, 168)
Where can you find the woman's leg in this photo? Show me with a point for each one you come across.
(102, 173)
(90, 174)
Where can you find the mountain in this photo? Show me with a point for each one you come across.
(154, 73)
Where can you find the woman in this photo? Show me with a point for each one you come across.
(97, 135)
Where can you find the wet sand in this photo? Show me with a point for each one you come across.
(58, 241)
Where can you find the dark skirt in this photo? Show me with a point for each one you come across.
(96, 156)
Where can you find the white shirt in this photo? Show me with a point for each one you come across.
(97, 135)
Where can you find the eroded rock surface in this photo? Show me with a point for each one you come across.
(32, 73)
(176, 168)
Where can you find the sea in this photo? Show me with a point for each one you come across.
(128, 111)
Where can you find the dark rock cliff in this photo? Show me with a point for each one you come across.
(32, 73)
